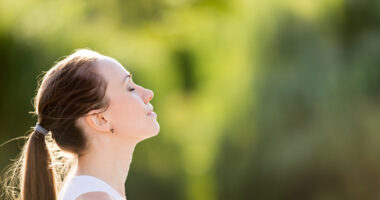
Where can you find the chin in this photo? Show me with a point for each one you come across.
(155, 129)
(155, 132)
(150, 134)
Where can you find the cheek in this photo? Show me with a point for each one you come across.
(126, 111)
(123, 107)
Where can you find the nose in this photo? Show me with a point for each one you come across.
(148, 96)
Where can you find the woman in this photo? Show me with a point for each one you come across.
(97, 114)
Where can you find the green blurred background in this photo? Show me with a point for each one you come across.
(259, 100)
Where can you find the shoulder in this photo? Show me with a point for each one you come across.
(94, 196)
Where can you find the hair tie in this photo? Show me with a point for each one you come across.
(40, 129)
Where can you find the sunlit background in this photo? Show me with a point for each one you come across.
(257, 100)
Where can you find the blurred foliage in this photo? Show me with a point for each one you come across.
(255, 99)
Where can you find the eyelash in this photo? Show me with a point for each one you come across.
(131, 89)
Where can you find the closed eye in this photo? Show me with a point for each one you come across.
(131, 89)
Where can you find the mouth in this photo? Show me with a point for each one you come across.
(152, 114)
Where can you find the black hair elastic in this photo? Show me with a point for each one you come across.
(40, 129)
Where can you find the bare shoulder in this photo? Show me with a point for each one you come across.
(95, 196)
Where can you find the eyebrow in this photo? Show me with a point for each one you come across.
(128, 75)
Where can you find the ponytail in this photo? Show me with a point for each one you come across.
(39, 171)
(37, 175)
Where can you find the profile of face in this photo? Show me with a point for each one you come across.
(130, 113)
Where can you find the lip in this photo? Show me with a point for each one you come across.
(152, 114)
(150, 109)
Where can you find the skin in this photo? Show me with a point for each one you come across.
(109, 155)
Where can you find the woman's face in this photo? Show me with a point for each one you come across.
(129, 105)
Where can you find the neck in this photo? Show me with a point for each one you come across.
(109, 161)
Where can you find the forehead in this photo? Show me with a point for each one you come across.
(112, 70)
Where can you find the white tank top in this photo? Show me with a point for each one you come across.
(81, 184)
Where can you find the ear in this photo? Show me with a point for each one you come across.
(98, 121)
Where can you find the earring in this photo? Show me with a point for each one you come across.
(112, 130)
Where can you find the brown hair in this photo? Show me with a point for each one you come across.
(69, 90)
